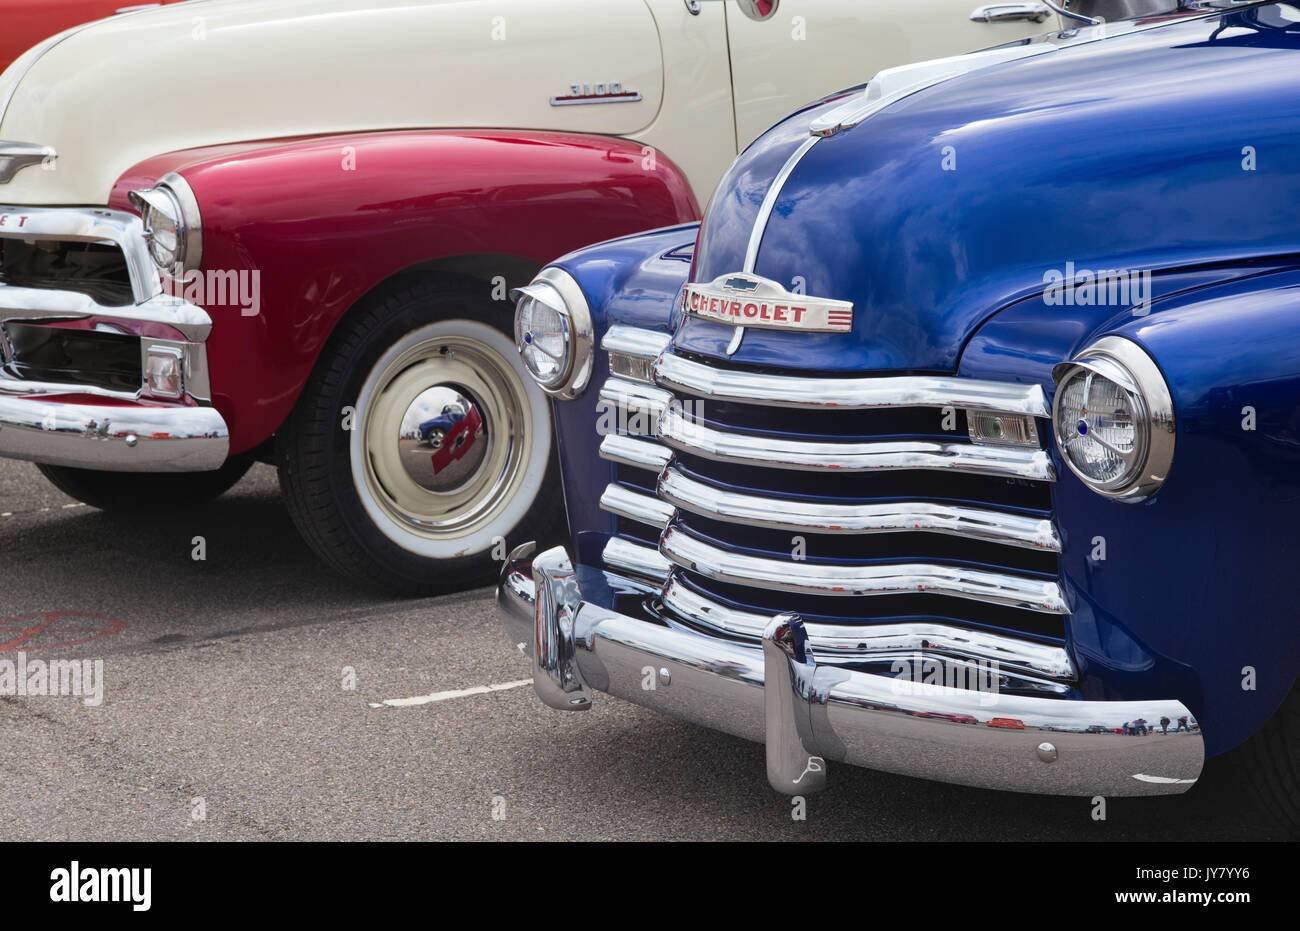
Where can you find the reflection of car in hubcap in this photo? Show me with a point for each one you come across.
(442, 427)
(456, 435)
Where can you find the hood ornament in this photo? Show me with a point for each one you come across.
(15, 156)
(741, 300)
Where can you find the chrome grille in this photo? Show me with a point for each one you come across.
(838, 499)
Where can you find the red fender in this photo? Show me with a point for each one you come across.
(323, 221)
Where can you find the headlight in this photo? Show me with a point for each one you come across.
(170, 214)
(1113, 419)
(553, 333)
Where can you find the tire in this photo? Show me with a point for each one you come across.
(143, 492)
(1268, 766)
(376, 504)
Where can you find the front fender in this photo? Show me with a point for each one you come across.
(324, 221)
(1198, 594)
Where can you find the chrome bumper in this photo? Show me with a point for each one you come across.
(111, 437)
(807, 713)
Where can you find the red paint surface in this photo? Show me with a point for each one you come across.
(323, 236)
(52, 629)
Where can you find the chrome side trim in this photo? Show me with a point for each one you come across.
(680, 432)
(814, 712)
(813, 578)
(89, 224)
(769, 203)
(639, 454)
(991, 526)
(673, 371)
(635, 505)
(635, 341)
(879, 642)
(642, 561)
(15, 156)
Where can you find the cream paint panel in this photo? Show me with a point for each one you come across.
(232, 70)
(695, 126)
(811, 48)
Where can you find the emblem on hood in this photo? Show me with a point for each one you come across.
(604, 92)
(744, 300)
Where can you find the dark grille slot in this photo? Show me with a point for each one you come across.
(643, 479)
(635, 530)
(73, 356)
(858, 548)
(839, 485)
(876, 609)
(98, 270)
(818, 424)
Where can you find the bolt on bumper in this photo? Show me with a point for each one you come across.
(808, 713)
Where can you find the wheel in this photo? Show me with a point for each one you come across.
(145, 492)
(1268, 764)
(382, 506)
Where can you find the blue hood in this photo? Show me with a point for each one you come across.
(1130, 152)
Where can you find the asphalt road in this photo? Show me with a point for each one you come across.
(224, 681)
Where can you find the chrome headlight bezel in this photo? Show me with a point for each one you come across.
(1124, 363)
(559, 291)
(173, 199)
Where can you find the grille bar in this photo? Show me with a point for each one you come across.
(643, 561)
(634, 505)
(680, 432)
(992, 526)
(1016, 591)
(635, 397)
(638, 454)
(675, 372)
(844, 643)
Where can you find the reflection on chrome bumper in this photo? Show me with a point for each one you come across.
(808, 713)
(111, 437)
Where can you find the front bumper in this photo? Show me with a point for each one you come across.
(806, 713)
(110, 437)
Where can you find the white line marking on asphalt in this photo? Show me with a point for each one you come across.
(446, 696)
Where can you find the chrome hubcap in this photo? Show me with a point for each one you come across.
(445, 438)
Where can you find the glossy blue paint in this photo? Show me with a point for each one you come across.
(1126, 153)
(1123, 153)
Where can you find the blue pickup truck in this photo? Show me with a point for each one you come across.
(961, 439)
